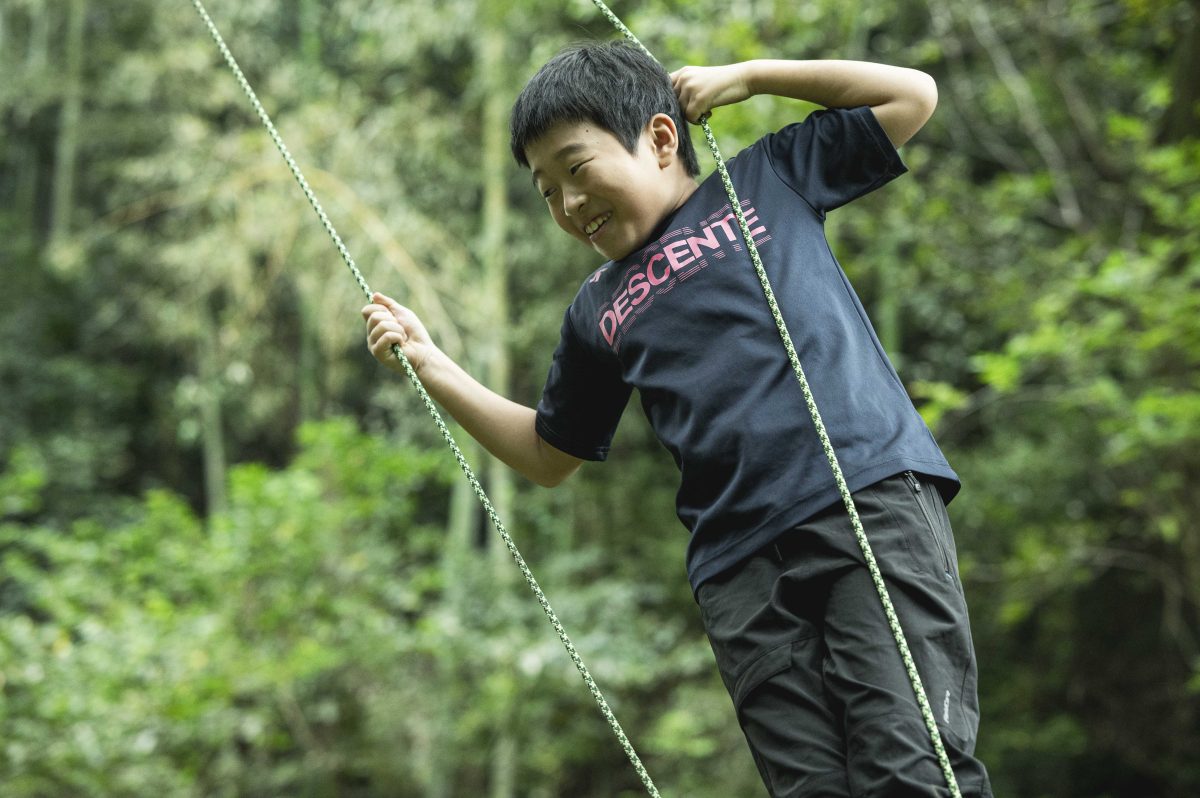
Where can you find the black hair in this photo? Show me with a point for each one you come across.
(612, 84)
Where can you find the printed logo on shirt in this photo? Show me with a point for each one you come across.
(670, 260)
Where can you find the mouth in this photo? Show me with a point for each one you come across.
(595, 225)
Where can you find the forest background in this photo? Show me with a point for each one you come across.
(235, 556)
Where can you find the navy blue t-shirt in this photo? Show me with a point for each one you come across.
(684, 321)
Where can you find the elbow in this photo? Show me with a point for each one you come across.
(908, 112)
(553, 479)
(926, 93)
(551, 467)
(556, 474)
(547, 480)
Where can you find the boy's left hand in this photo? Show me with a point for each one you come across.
(701, 89)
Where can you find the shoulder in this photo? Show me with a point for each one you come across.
(587, 305)
(831, 130)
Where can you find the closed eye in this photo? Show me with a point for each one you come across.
(579, 166)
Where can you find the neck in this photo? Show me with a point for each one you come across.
(686, 187)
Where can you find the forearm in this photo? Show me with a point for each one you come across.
(901, 99)
(839, 84)
(505, 428)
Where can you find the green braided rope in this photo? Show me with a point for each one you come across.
(831, 456)
(412, 376)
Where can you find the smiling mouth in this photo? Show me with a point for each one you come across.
(593, 227)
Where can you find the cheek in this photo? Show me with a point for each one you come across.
(561, 221)
(564, 223)
(555, 213)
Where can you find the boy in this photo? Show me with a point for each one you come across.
(677, 312)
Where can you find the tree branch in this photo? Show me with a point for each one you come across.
(1029, 118)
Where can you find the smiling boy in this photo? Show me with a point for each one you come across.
(677, 312)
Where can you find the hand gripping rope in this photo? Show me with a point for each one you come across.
(889, 611)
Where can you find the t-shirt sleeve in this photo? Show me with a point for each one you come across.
(834, 156)
(583, 399)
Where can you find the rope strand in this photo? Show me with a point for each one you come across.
(441, 424)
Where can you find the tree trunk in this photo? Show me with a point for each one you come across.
(23, 162)
(68, 123)
(495, 287)
(504, 762)
(308, 363)
(461, 525)
(495, 264)
(1182, 117)
(39, 39)
(212, 435)
(310, 31)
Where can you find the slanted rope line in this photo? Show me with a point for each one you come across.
(888, 610)
(412, 376)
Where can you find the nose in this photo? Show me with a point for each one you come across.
(573, 200)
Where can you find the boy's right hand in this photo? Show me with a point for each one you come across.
(701, 89)
(390, 323)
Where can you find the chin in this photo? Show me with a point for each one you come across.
(612, 253)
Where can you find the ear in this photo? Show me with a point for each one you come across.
(663, 139)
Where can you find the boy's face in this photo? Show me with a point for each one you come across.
(601, 194)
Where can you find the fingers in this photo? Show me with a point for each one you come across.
(702, 89)
(385, 327)
(382, 346)
(684, 81)
(386, 301)
(375, 315)
(381, 326)
(382, 302)
(388, 315)
(391, 325)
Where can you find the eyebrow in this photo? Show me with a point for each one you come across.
(567, 149)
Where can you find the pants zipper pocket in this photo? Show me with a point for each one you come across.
(915, 484)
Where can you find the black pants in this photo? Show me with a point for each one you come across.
(804, 649)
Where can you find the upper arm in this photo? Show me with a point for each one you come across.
(903, 116)
(834, 156)
(581, 403)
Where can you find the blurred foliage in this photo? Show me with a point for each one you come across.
(227, 564)
(301, 642)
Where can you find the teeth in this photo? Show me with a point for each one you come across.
(595, 224)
